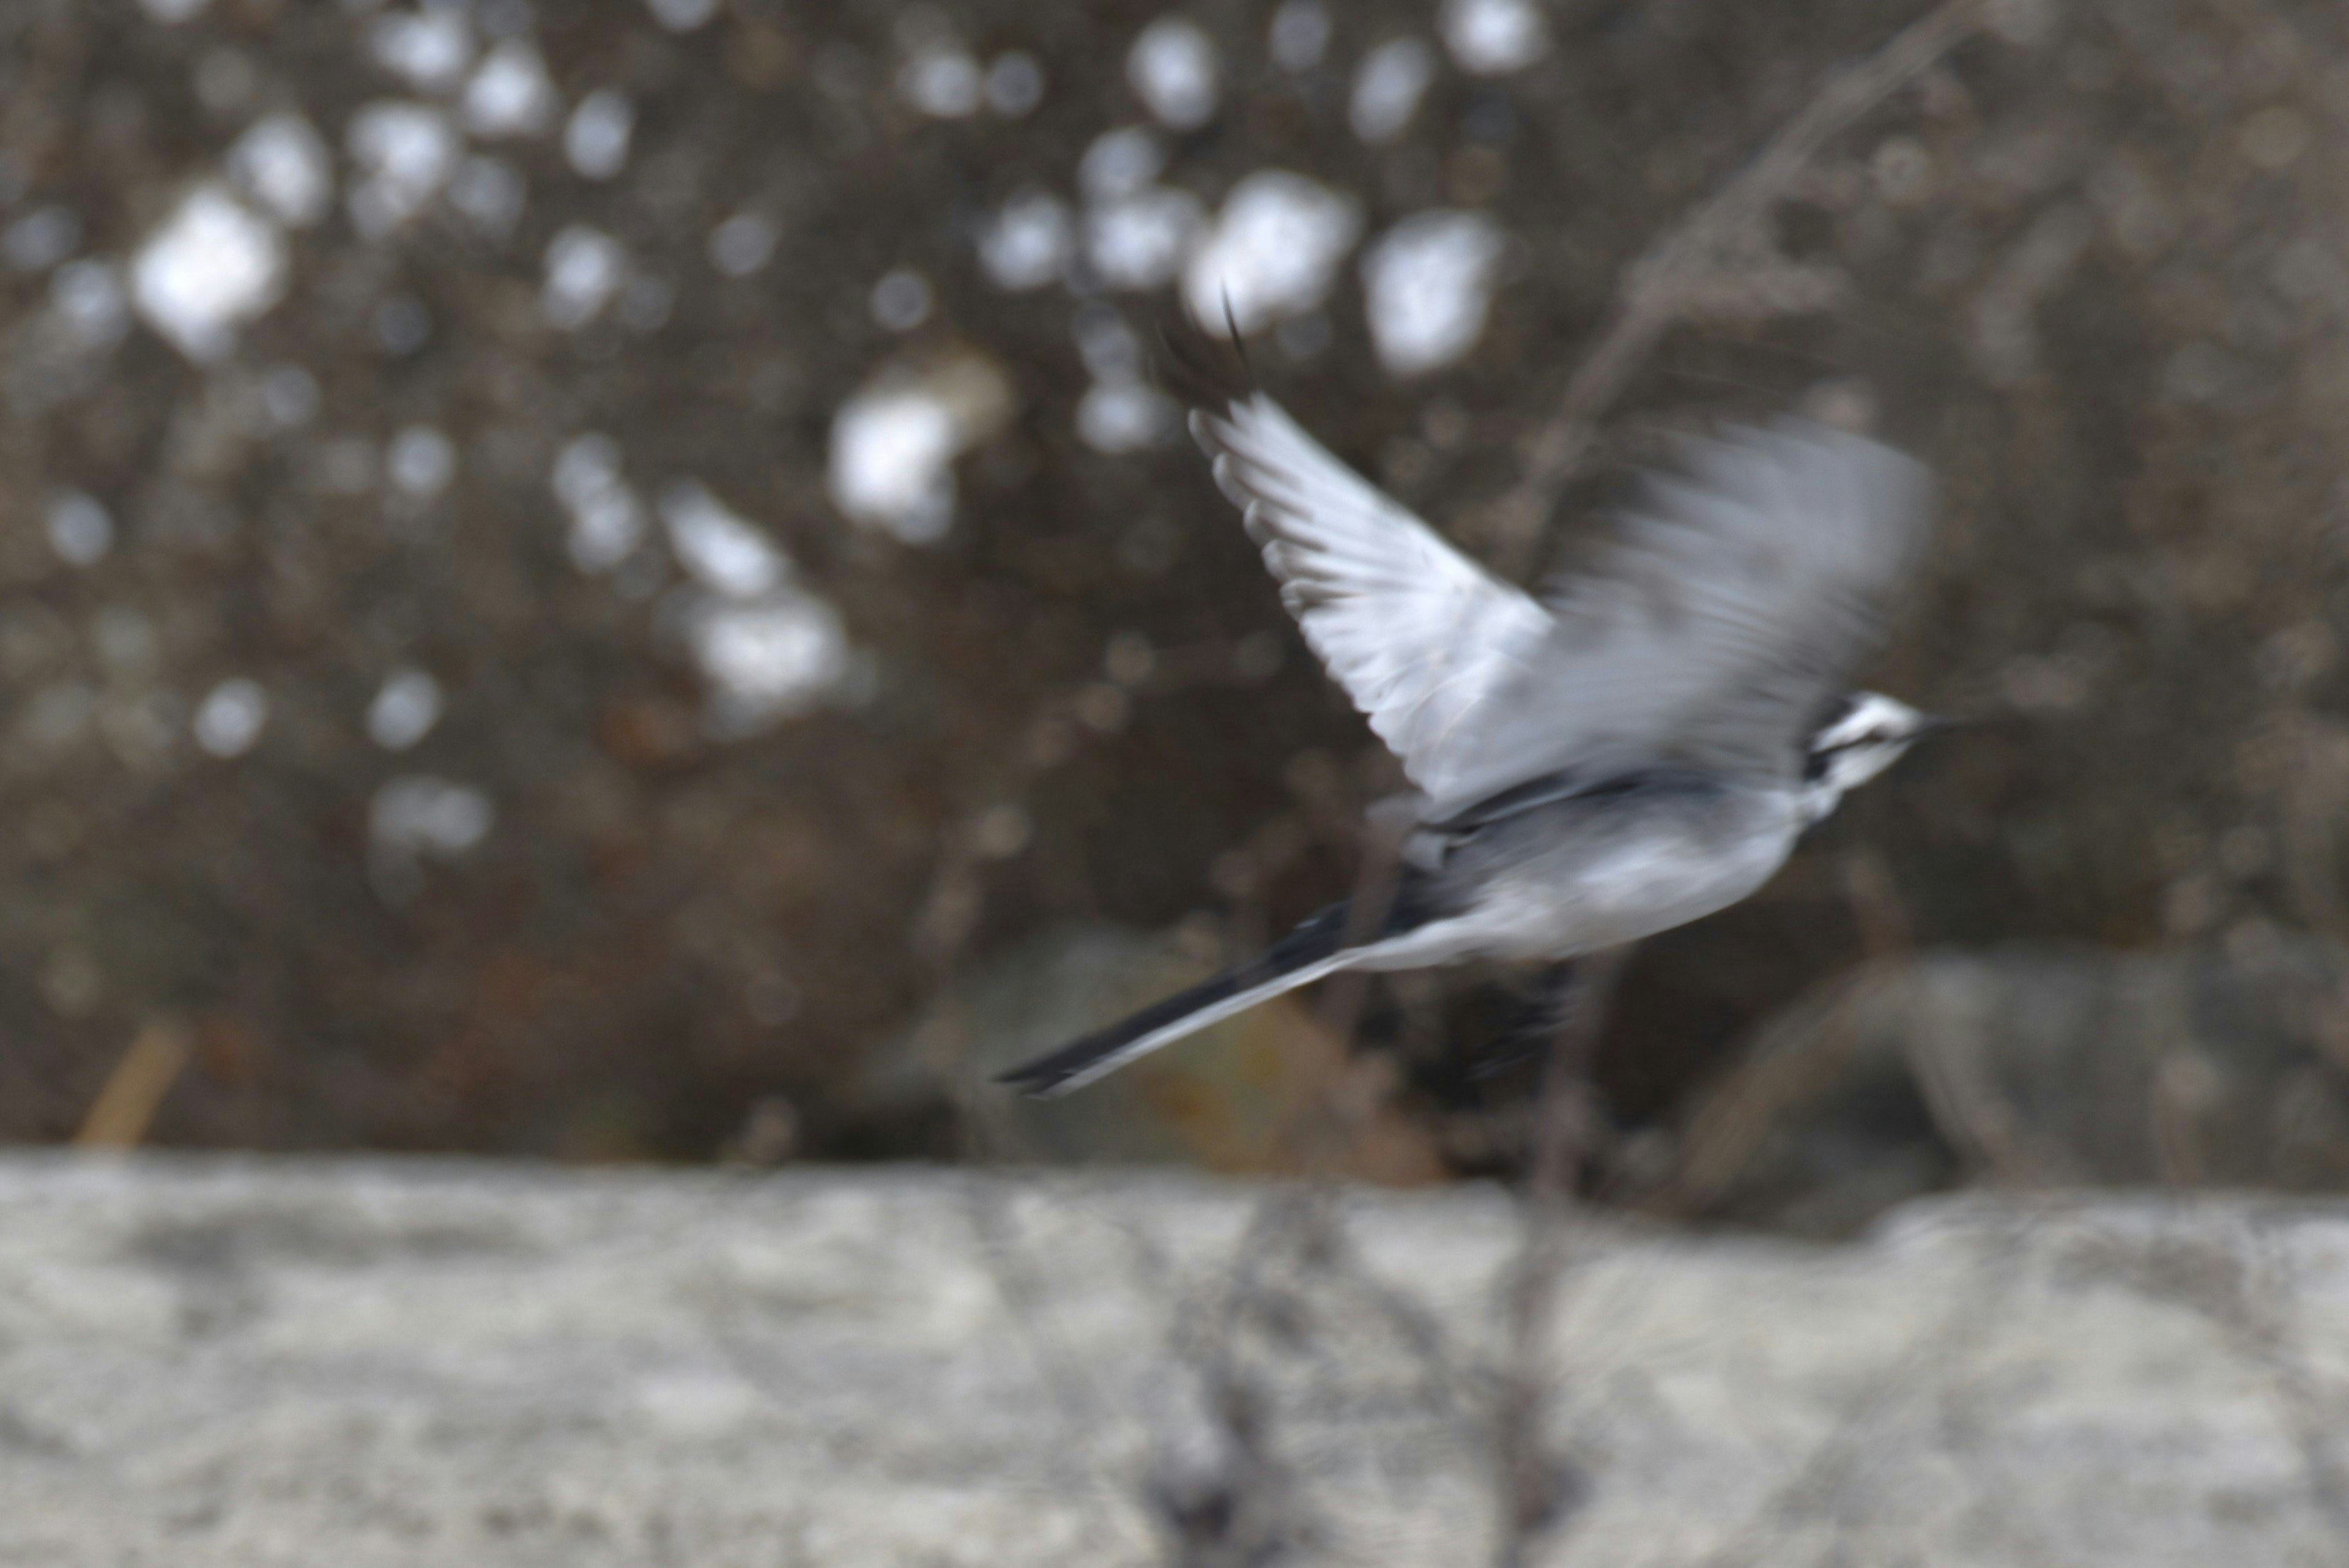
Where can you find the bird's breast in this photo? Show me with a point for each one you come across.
(1616, 875)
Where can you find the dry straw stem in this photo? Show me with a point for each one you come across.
(1719, 256)
(126, 1102)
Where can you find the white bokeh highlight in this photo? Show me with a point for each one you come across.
(1027, 242)
(1272, 252)
(1427, 286)
(1299, 35)
(429, 49)
(893, 443)
(281, 165)
(683, 15)
(607, 519)
(212, 266)
(420, 462)
(719, 548)
(89, 302)
(510, 94)
(404, 152)
(585, 268)
(1494, 37)
(80, 529)
(1141, 241)
(230, 718)
(1388, 86)
(595, 138)
(1173, 69)
(942, 80)
(1121, 162)
(405, 710)
(417, 817)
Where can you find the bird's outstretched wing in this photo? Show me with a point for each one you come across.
(1727, 611)
(1419, 637)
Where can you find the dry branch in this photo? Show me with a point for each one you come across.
(1720, 251)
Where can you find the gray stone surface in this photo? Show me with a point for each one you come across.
(2037, 1064)
(263, 1363)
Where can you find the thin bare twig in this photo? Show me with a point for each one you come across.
(1535, 1486)
(1720, 243)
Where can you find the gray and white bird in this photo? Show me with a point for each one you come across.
(1637, 747)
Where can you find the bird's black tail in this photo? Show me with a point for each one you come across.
(1311, 950)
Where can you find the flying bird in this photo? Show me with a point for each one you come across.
(1637, 746)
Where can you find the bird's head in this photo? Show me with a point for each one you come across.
(1862, 736)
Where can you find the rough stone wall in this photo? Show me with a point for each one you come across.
(257, 1362)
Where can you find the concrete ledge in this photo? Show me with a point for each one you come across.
(257, 1362)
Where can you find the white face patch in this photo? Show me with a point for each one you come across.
(1872, 716)
(1865, 741)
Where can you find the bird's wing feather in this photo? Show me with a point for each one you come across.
(1419, 636)
(1725, 613)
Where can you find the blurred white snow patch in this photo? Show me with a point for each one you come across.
(1494, 37)
(89, 302)
(170, 10)
(1119, 412)
(405, 152)
(40, 239)
(743, 243)
(491, 192)
(585, 268)
(607, 520)
(769, 658)
(80, 529)
(405, 708)
(1272, 251)
(1120, 163)
(1171, 69)
(1427, 286)
(725, 553)
(942, 80)
(1301, 35)
(645, 303)
(1027, 242)
(682, 16)
(1015, 83)
(595, 138)
(901, 300)
(428, 49)
(231, 717)
(420, 462)
(895, 442)
(289, 395)
(1141, 241)
(1388, 86)
(1107, 344)
(282, 164)
(510, 93)
(418, 816)
(1126, 416)
(209, 267)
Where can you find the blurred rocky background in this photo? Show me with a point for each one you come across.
(612, 580)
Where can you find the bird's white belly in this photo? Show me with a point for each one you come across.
(1634, 892)
(1661, 874)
